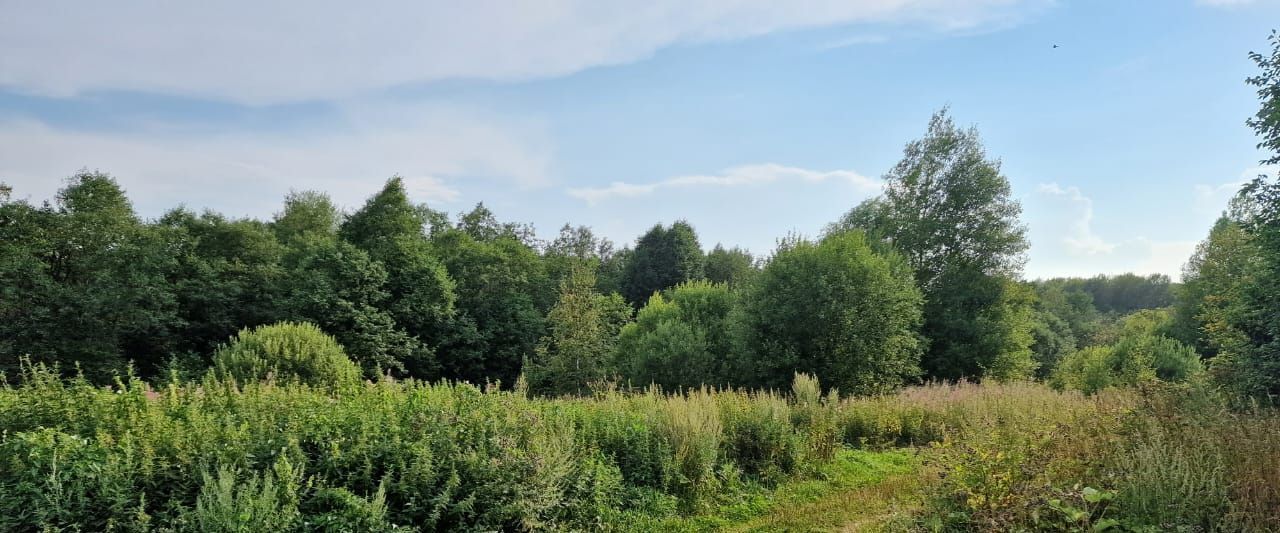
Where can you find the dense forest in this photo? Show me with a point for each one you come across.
(396, 367)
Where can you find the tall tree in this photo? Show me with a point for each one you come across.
(420, 291)
(573, 248)
(333, 284)
(1253, 367)
(502, 299)
(1212, 283)
(481, 224)
(730, 266)
(948, 209)
(663, 258)
(228, 277)
(305, 213)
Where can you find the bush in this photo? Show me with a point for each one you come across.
(835, 309)
(286, 353)
(1134, 359)
(681, 339)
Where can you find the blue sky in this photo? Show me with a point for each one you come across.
(750, 119)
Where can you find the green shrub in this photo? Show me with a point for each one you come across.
(1134, 359)
(1088, 370)
(287, 353)
(259, 503)
(337, 510)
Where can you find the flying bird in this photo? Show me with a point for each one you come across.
(1055, 46)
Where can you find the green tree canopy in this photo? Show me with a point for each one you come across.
(582, 330)
(680, 339)
(420, 292)
(950, 212)
(85, 282)
(663, 258)
(732, 266)
(502, 297)
(835, 309)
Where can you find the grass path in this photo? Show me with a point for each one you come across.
(857, 491)
(873, 491)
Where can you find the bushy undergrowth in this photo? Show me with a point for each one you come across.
(1163, 457)
(221, 456)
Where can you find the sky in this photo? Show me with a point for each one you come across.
(751, 119)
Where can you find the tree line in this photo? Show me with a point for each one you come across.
(922, 282)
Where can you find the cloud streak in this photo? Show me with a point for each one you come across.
(294, 50)
(746, 175)
(436, 150)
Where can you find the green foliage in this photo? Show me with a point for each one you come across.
(1119, 294)
(1141, 355)
(306, 213)
(229, 275)
(732, 267)
(419, 292)
(287, 353)
(663, 258)
(379, 456)
(948, 210)
(1266, 123)
(260, 503)
(502, 299)
(834, 309)
(578, 348)
(1088, 370)
(87, 265)
(679, 340)
(482, 225)
(1053, 339)
(338, 287)
(1211, 291)
(981, 326)
(578, 247)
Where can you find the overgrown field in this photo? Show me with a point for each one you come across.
(214, 456)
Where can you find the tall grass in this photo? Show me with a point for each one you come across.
(285, 456)
(215, 455)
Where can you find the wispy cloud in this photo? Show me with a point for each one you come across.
(436, 151)
(293, 50)
(1213, 198)
(732, 177)
(854, 40)
(1080, 238)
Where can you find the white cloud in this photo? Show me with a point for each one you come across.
(289, 50)
(737, 176)
(1065, 243)
(435, 150)
(1080, 237)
